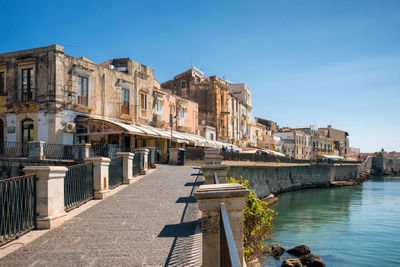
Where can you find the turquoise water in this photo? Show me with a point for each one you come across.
(345, 226)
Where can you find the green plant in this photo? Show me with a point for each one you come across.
(258, 220)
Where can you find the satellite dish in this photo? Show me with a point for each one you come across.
(203, 122)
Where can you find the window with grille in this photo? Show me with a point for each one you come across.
(82, 90)
(27, 84)
(125, 101)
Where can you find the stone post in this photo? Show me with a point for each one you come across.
(81, 151)
(153, 157)
(35, 149)
(127, 162)
(144, 152)
(100, 176)
(209, 170)
(209, 199)
(173, 155)
(49, 194)
(212, 156)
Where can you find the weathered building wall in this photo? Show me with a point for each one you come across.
(267, 180)
(381, 165)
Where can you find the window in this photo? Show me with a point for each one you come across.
(143, 101)
(27, 131)
(2, 83)
(158, 106)
(183, 84)
(125, 101)
(27, 84)
(222, 101)
(211, 136)
(82, 90)
(181, 113)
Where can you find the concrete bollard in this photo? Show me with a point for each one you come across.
(49, 194)
(35, 149)
(100, 176)
(209, 170)
(209, 199)
(81, 151)
(127, 162)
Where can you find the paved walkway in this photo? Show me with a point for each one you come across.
(153, 222)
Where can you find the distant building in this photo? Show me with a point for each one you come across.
(340, 138)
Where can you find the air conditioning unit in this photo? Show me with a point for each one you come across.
(69, 127)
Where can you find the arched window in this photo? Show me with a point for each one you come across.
(27, 131)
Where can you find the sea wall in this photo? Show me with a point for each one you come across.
(267, 180)
(382, 165)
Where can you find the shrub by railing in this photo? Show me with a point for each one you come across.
(17, 206)
(14, 150)
(194, 153)
(78, 185)
(58, 151)
(115, 172)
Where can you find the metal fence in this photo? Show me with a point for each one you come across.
(78, 185)
(194, 153)
(17, 206)
(229, 253)
(235, 156)
(104, 151)
(149, 159)
(137, 164)
(14, 150)
(58, 151)
(115, 172)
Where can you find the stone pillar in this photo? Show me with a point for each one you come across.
(212, 156)
(81, 151)
(209, 199)
(173, 156)
(100, 176)
(209, 170)
(35, 149)
(127, 162)
(153, 157)
(49, 194)
(144, 152)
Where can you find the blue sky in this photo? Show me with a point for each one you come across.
(307, 62)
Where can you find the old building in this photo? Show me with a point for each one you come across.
(340, 138)
(218, 107)
(295, 143)
(47, 95)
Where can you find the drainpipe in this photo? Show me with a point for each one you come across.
(104, 95)
(136, 98)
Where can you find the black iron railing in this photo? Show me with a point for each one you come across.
(149, 159)
(58, 151)
(137, 164)
(78, 185)
(216, 179)
(17, 207)
(115, 172)
(229, 254)
(104, 151)
(235, 156)
(14, 150)
(194, 153)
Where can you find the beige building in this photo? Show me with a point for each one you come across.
(341, 140)
(47, 95)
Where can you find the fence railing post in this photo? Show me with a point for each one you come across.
(81, 151)
(209, 199)
(209, 170)
(100, 176)
(143, 152)
(127, 162)
(35, 150)
(49, 194)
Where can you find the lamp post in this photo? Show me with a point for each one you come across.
(171, 124)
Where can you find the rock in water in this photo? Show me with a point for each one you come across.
(312, 260)
(292, 263)
(276, 251)
(299, 250)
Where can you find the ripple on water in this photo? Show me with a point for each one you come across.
(347, 226)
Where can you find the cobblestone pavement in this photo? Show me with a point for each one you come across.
(154, 222)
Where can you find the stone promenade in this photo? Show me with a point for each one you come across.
(153, 222)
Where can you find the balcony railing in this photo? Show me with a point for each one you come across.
(28, 95)
(14, 150)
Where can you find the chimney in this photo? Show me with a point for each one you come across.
(329, 126)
